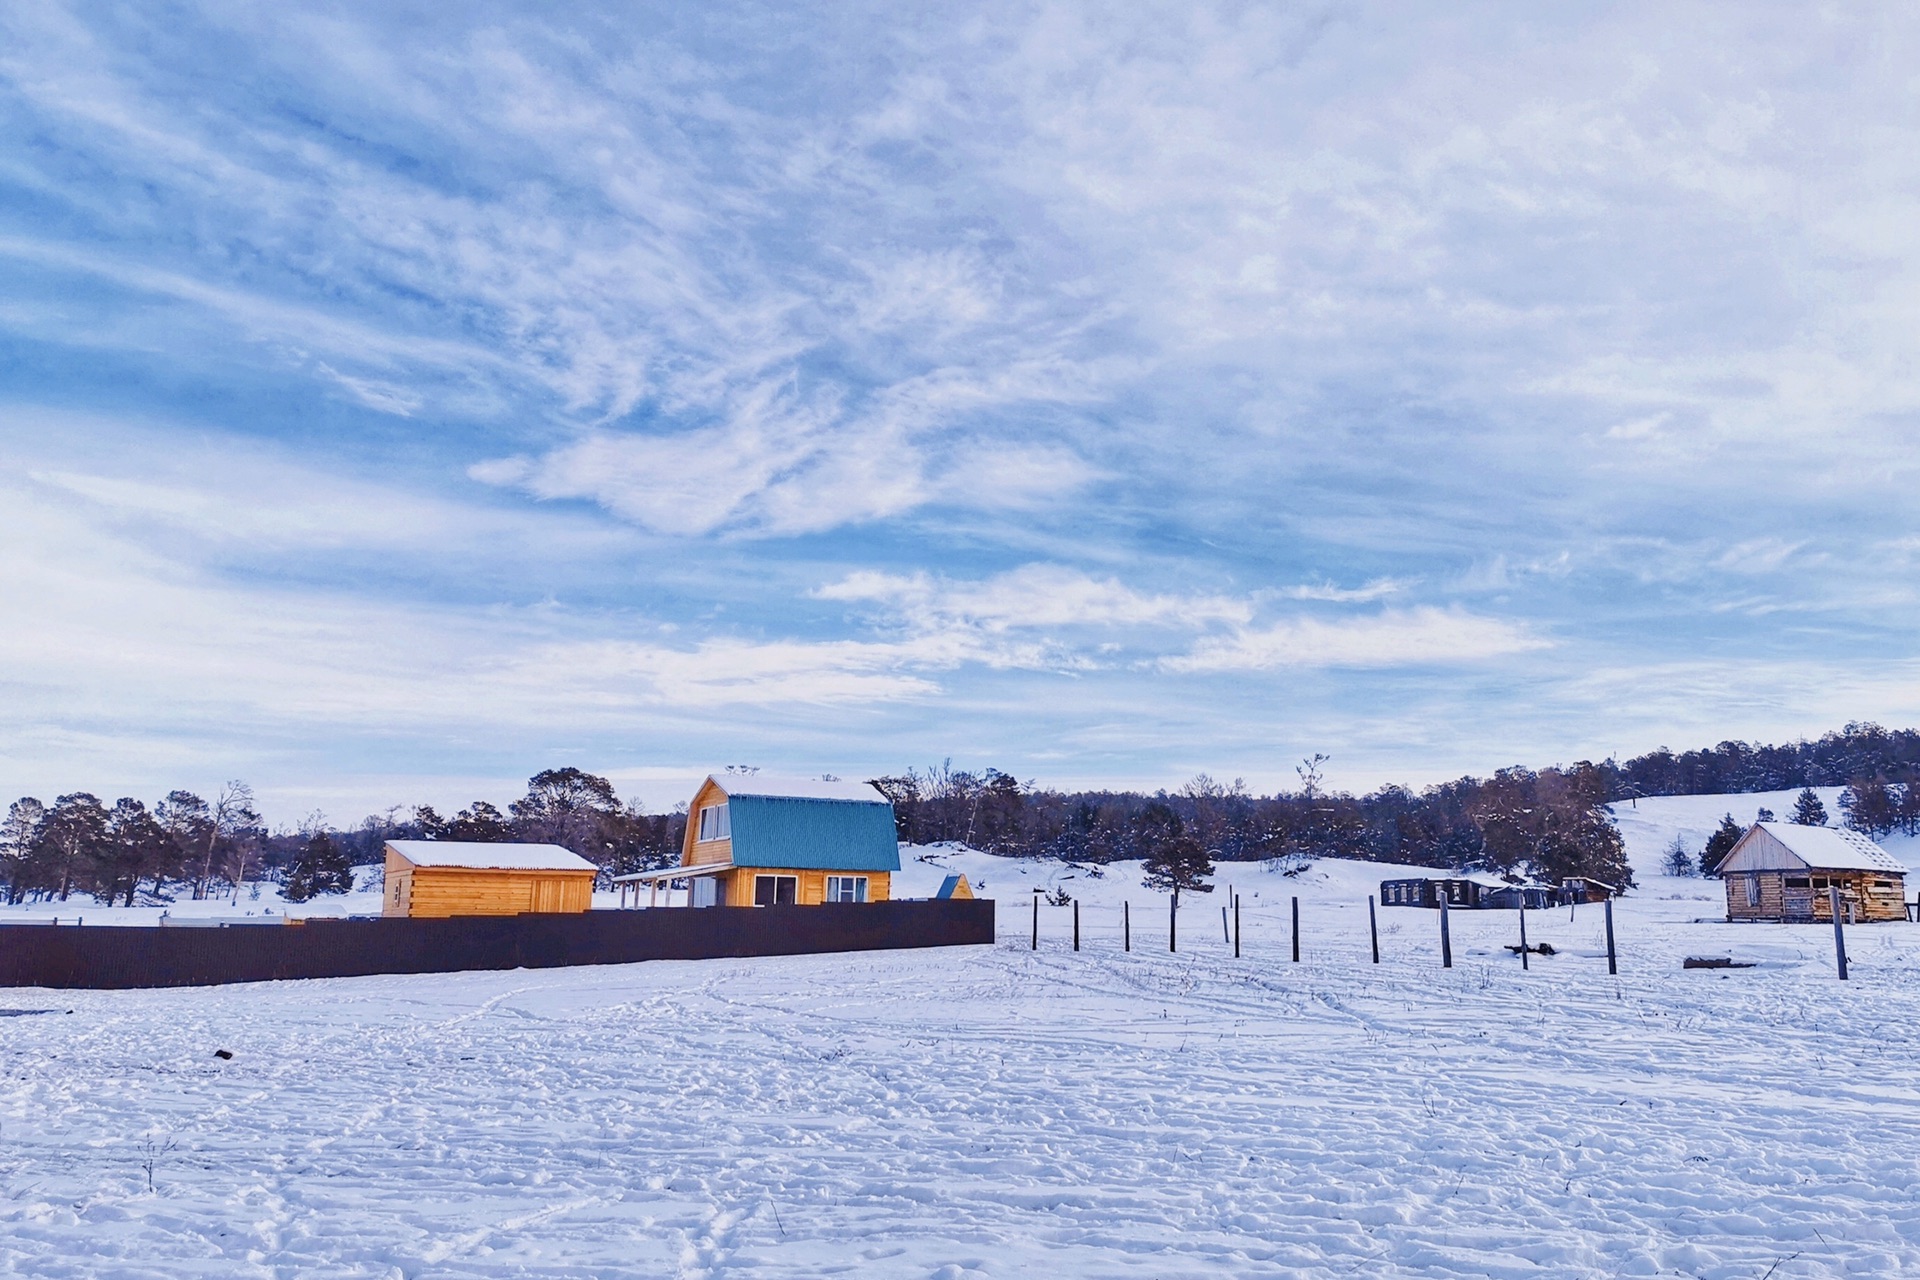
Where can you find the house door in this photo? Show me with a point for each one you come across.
(547, 894)
(1796, 896)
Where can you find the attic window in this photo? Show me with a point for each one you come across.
(714, 823)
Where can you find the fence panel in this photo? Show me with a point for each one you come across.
(111, 958)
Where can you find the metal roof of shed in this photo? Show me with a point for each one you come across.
(479, 856)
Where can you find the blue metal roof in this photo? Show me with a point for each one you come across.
(813, 835)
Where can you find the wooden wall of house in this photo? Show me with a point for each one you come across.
(1875, 896)
(434, 892)
(698, 852)
(812, 888)
(399, 887)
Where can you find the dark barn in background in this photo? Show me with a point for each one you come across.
(1425, 892)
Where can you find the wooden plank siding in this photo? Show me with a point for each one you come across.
(812, 886)
(697, 852)
(1875, 896)
(708, 852)
(439, 892)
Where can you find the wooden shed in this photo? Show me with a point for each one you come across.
(1781, 871)
(758, 840)
(1509, 897)
(1431, 892)
(433, 878)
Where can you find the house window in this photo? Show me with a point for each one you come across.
(708, 891)
(775, 891)
(1753, 891)
(714, 823)
(846, 888)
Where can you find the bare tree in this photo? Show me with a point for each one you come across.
(230, 817)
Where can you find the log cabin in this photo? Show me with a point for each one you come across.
(438, 878)
(1781, 871)
(756, 840)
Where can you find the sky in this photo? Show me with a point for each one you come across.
(398, 399)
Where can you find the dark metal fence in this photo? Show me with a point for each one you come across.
(108, 957)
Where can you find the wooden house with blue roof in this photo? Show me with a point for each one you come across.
(759, 840)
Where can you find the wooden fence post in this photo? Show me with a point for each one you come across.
(1226, 933)
(1373, 929)
(1036, 919)
(1173, 919)
(1446, 938)
(1523, 930)
(1236, 926)
(1076, 924)
(1126, 926)
(1839, 938)
(1613, 959)
(1296, 931)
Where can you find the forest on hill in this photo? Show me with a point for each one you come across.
(1545, 823)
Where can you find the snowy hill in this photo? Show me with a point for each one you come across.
(1649, 825)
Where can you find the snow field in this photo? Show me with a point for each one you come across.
(994, 1111)
(1001, 1112)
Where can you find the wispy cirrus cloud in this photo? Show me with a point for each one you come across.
(1423, 636)
(1354, 358)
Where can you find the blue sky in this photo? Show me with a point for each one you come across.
(396, 403)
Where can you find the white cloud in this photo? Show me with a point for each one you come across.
(1396, 638)
(1032, 597)
(1397, 307)
(1378, 589)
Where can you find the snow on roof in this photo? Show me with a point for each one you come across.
(1827, 849)
(787, 787)
(489, 857)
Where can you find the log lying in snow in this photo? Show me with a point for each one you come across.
(1715, 962)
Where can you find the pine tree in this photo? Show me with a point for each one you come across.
(1870, 806)
(1678, 860)
(1175, 860)
(321, 866)
(1807, 810)
(1720, 844)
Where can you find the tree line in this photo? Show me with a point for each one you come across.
(127, 853)
(1545, 824)
(1542, 823)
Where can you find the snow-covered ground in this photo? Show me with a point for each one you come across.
(995, 1111)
